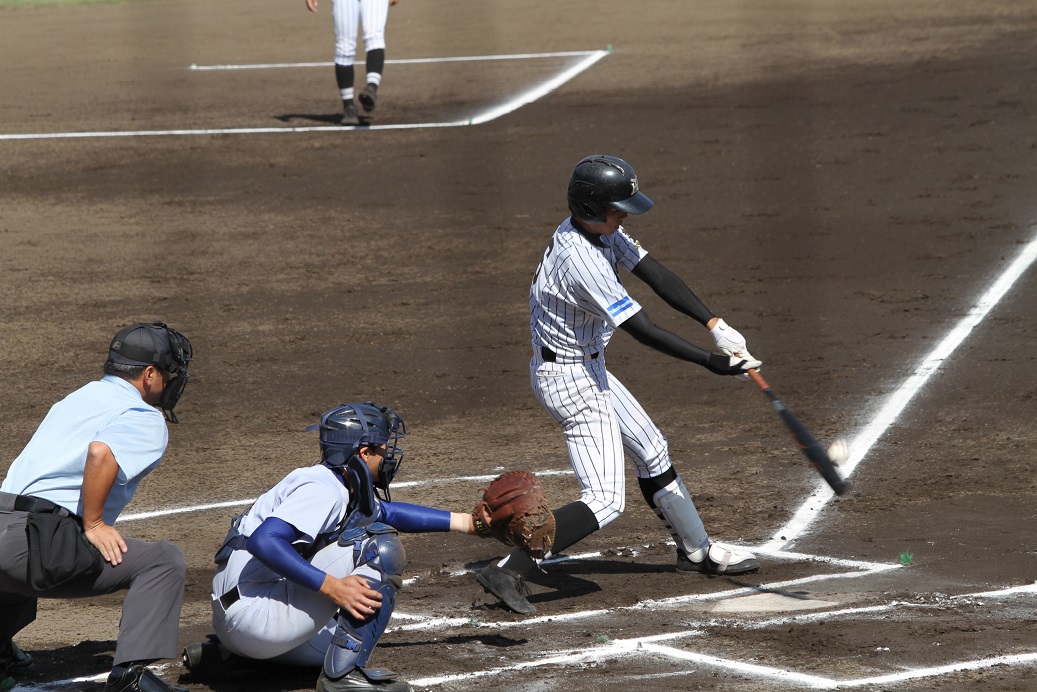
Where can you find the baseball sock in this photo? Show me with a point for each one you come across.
(344, 79)
(573, 522)
(375, 65)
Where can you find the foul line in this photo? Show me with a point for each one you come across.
(590, 58)
(899, 400)
(400, 61)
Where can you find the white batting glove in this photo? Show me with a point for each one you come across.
(727, 339)
(730, 342)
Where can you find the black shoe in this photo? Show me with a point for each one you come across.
(140, 679)
(720, 558)
(208, 659)
(349, 115)
(363, 680)
(368, 97)
(14, 661)
(510, 588)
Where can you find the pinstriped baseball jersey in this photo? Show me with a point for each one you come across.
(577, 299)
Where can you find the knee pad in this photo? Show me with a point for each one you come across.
(377, 546)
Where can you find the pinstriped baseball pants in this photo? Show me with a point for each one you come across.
(349, 15)
(601, 421)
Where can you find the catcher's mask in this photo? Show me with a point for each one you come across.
(602, 181)
(347, 428)
(154, 343)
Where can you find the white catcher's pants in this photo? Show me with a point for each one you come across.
(601, 420)
(280, 620)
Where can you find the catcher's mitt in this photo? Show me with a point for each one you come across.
(513, 510)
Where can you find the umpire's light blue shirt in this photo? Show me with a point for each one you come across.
(109, 410)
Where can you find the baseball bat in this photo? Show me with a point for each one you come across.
(813, 449)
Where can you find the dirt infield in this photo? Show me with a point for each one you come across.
(842, 182)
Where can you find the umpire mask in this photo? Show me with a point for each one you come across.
(159, 345)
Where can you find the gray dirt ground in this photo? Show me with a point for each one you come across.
(840, 181)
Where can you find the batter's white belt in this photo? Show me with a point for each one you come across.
(550, 356)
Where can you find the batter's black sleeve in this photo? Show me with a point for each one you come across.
(650, 334)
(672, 289)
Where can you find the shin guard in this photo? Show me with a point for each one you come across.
(674, 506)
(378, 547)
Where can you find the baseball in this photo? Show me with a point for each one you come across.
(839, 451)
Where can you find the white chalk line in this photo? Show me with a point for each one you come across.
(900, 398)
(523, 99)
(241, 503)
(398, 61)
(640, 645)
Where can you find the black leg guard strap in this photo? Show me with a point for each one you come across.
(650, 486)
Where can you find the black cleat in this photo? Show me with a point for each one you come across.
(720, 558)
(510, 588)
(349, 116)
(368, 97)
(14, 661)
(140, 679)
(208, 659)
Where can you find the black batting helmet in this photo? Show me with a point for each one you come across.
(346, 428)
(601, 181)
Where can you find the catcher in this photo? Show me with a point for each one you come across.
(309, 574)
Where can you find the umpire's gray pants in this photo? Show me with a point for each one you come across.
(152, 573)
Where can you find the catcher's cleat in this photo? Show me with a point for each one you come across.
(140, 679)
(510, 588)
(208, 659)
(720, 558)
(361, 680)
(368, 97)
(14, 661)
(349, 116)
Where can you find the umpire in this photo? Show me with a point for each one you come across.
(64, 492)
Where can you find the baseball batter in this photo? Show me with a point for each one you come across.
(577, 301)
(349, 15)
(309, 574)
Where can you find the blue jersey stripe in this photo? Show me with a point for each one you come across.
(619, 306)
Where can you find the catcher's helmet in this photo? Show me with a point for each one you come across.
(346, 428)
(153, 343)
(601, 181)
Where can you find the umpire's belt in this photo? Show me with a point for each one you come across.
(550, 356)
(29, 503)
(230, 598)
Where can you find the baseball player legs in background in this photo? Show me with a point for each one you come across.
(576, 301)
(349, 15)
(309, 574)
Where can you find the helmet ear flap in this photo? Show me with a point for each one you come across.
(582, 203)
(589, 212)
